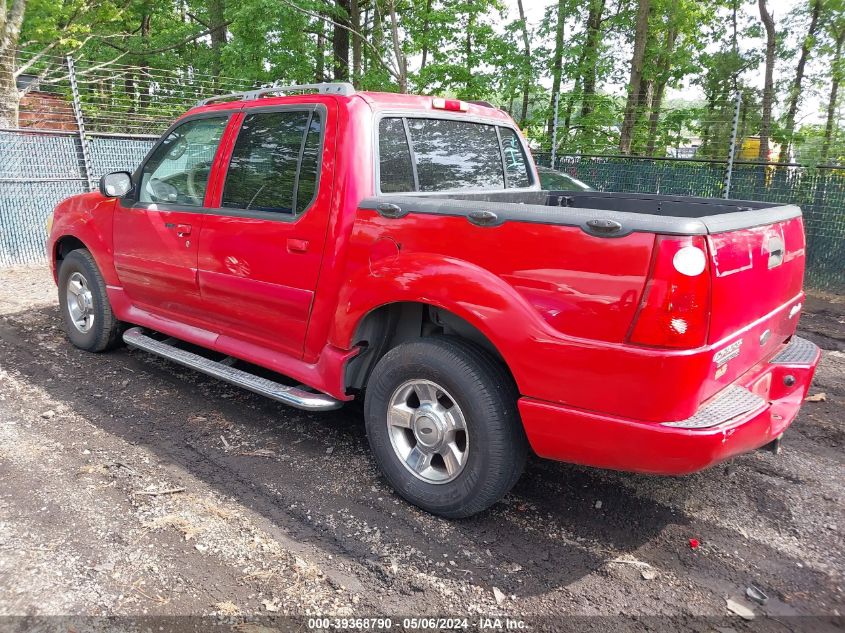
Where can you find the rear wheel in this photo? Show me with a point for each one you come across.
(89, 321)
(443, 425)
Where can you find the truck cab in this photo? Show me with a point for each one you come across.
(399, 249)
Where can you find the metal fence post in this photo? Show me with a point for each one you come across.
(80, 123)
(554, 132)
(729, 169)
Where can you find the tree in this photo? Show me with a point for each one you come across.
(401, 60)
(837, 73)
(795, 89)
(11, 21)
(219, 34)
(769, 83)
(340, 41)
(527, 69)
(557, 63)
(635, 85)
(587, 69)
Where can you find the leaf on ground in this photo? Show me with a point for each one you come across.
(818, 397)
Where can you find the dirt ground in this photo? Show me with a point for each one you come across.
(131, 486)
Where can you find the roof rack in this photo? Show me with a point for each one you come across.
(337, 88)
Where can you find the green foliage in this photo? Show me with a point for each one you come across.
(474, 49)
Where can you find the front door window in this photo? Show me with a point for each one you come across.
(178, 170)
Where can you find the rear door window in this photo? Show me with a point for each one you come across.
(275, 162)
(395, 165)
(516, 165)
(419, 154)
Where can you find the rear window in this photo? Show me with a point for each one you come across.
(417, 154)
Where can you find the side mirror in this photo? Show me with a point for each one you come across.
(116, 185)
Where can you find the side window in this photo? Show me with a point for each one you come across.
(395, 167)
(453, 154)
(178, 170)
(264, 172)
(309, 170)
(516, 166)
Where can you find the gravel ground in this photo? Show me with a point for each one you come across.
(132, 487)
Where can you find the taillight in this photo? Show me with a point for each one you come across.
(675, 308)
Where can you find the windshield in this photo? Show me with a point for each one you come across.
(429, 155)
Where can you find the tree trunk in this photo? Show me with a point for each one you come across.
(795, 91)
(835, 79)
(557, 64)
(144, 64)
(378, 28)
(654, 117)
(217, 22)
(563, 132)
(526, 70)
(635, 84)
(10, 31)
(768, 85)
(320, 62)
(468, 45)
(355, 20)
(9, 96)
(590, 56)
(425, 30)
(664, 66)
(401, 60)
(340, 41)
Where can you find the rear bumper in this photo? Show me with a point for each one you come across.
(749, 414)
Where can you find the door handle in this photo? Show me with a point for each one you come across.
(297, 246)
(183, 230)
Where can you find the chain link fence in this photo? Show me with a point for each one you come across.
(38, 169)
(122, 109)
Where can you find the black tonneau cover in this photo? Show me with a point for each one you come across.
(604, 214)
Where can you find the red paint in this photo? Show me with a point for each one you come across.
(576, 318)
(693, 543)
(596, 439)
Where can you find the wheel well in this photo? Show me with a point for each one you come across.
(67, 244)
(386, 327)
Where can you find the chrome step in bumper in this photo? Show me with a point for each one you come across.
(733, 401)
(294, 396)
(800, 351)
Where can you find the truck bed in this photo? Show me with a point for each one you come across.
(653, 213)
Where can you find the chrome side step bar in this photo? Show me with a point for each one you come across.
(294, 396)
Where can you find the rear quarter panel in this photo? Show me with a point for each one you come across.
(535, 291)
(580, 285)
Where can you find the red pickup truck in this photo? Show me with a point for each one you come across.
(330, 244)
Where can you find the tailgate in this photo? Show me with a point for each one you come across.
(757, 275)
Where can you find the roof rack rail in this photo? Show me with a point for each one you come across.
(336, 88)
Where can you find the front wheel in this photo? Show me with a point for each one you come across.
(443, 425)
(89, 321)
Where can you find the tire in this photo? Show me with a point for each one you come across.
(89, 321)
(482, 461)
